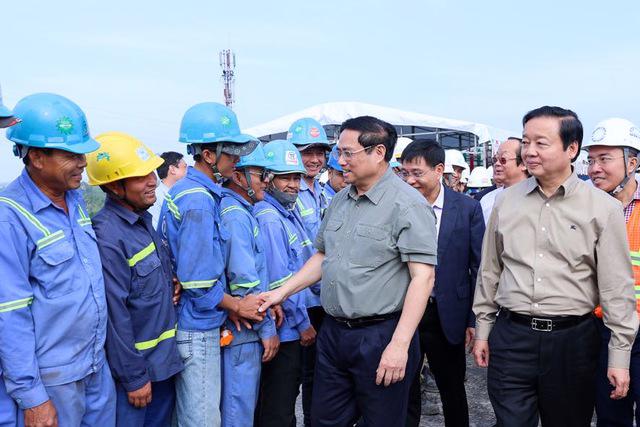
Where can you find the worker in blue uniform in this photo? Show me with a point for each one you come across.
(336, 181)
(246, 272)
(8, 408)
(310, 139)
(53, 312)
(190, 222)
(287, 247)
(141, 328)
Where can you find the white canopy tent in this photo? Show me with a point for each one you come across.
(409, 123)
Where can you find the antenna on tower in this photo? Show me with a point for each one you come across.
(228, 65)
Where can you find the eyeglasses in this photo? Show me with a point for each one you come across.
(502, 160)
(265, 175)
(404, 174)
(348, 155)
(602, 160)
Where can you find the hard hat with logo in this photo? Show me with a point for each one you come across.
(256, 158)
(479, 178)
(614, 132)
(307, 132)
(454, 158)
(6, 115)
(283, 157)
(209, 123)
(50, 121)
(333, 159)
(401, 144)
(120, 156)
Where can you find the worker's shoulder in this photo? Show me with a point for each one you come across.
(13, 199)
(596, 197)
(189, 194)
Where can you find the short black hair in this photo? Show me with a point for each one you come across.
(518, 149)
(427, 149)
(570, 125)
(47, 152)
(373, 132)
(171, 158)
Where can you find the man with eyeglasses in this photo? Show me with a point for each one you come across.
(613, 160)
(448, 324)
(508, 168)
(376, 256)
(171, 171)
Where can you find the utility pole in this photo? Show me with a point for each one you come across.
(228, 65)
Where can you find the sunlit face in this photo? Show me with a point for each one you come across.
(336, 180)
(361, 163)
(313, 159)
(607, 169)
(287, 183)
(424, 178)
(505, 167)
(542, 149)
(61, 170)
(179, 170)
(258, 180)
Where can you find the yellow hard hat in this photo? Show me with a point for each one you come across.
(120, 156)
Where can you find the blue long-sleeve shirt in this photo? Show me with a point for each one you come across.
(53, 312)
(190, 222)
(327, 192)
(284, 241)
(246, 267)
(141, 329)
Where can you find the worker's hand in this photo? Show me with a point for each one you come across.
(393, 363)
(248, 308)
(271, 298)
(481, 352)
(308, 336)
(278, 315)
(140, 397)
(43, 415)
(238, 321)
(271, 346)
(619, 378)
(177, 290)
(469, 338)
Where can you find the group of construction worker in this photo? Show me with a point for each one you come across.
(112, 320)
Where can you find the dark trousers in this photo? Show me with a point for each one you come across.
(316, 316)
(156, 414)
(279, 385)
(448, 365)
(617, 413)
(535, 374)
(345, 387)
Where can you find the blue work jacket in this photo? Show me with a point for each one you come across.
(285, 242)
(53, 312)
(141, 329)
(190, 223)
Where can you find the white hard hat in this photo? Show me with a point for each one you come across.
(454, 158)
(464, 177)
(401, 144)
(479, 178)
(615, 132)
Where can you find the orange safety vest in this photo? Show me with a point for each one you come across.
(633, 236)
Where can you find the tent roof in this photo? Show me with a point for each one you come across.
(334, 113)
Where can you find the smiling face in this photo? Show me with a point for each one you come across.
(424, 178)
(61, 170)
(607, 169)
(362, 164)
(542, 149)
(138, 192)
(313, 159)
(287, 183)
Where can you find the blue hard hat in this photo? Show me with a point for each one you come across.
(256, 158)
(51, 121)
(395, 164)
(306, 132)
(4, 111)
(333, 159)
(283, 157)
(210, 122)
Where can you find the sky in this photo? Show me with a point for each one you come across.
(136, 66)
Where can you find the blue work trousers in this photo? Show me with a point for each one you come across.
(198, 385)
(156, 414)
(240, 383)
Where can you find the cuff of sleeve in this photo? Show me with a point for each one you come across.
(483, 330)
(135, 384)
(420, 258)
(619, 358)
(303, 326)
(267, 329)
(32, 397)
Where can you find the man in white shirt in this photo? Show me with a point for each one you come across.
(170, 172)
(508, 168)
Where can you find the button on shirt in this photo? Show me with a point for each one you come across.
(141, 344)
(285, 244)
(53, 312)
(558, 256)
(367, 241)
(246, 267)
(190, 222)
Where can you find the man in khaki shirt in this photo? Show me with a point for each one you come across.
(554, 248)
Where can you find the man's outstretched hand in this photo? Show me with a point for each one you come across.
(270, 298)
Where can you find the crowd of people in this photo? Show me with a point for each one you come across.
(220, 292)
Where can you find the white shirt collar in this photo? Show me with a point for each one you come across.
(439, 203)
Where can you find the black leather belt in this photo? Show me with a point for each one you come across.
(365, 321)
(544, 324)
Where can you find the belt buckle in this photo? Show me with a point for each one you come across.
(544, 325)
